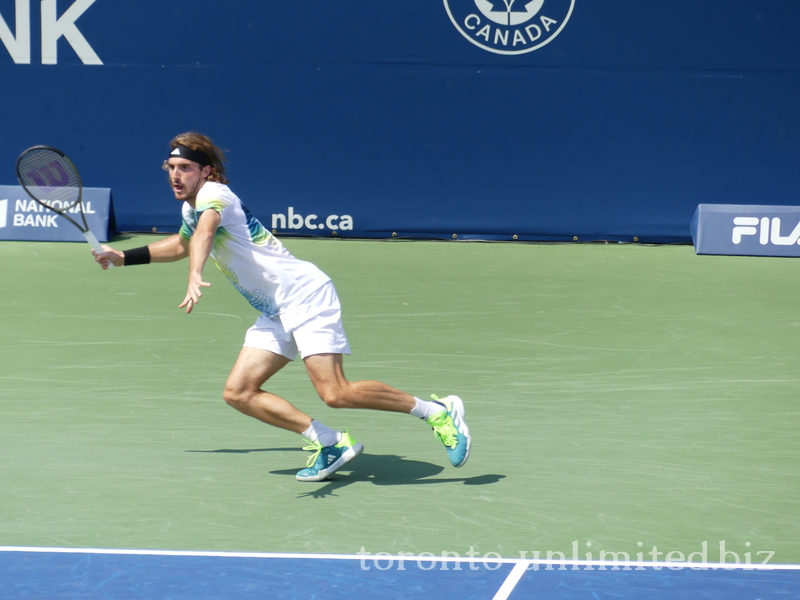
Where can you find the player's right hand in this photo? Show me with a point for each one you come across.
(109, 257)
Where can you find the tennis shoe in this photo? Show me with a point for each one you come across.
(450, 428)
(326, 460)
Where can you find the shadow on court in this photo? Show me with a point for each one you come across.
(387, 469)
(246, 450)
(379, 469)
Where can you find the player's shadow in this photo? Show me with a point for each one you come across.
(246, 450)
(387, 469)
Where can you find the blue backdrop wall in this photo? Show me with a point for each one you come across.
(545, 119)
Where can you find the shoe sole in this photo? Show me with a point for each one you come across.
(336, 465)
(457, 410)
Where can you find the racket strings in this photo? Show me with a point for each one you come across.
(50, 177)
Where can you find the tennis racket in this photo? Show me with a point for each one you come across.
(50, 178)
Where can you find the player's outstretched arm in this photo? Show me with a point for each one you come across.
(200, 249)
(167, 250)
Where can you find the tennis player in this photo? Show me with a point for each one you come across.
(300, 314)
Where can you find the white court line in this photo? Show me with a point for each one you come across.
(511, 581)
(520, 564)
(188, 553)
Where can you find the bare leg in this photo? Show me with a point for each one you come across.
(243, 390)
(327, 375)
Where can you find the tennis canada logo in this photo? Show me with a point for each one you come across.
(509, 26)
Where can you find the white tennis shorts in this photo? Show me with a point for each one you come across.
(312, 327)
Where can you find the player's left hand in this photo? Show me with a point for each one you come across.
(193, 293)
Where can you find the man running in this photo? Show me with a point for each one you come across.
(300, 313)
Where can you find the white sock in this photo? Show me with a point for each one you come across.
(319, 432)
(424, 409)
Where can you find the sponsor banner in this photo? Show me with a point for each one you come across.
(24, 219)
(310, 223)
(509, 26)
(742, 230)
(552, 120)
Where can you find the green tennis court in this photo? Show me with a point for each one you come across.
(622, 399)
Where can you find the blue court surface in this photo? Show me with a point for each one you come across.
(121, 574)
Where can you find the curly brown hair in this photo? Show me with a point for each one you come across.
(203, 143)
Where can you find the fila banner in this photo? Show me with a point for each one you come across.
(736, 230)
(24, 219)
(528, 120)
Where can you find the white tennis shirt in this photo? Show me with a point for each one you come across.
(256, 263)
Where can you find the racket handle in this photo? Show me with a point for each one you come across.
(90, 237)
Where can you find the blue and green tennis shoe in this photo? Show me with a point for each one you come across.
(326, 460)
(450, 428)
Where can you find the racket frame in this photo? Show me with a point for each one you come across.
(84, 229)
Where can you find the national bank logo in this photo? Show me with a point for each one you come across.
(509, 26)
(53, 28)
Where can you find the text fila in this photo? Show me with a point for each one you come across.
(768, 231)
